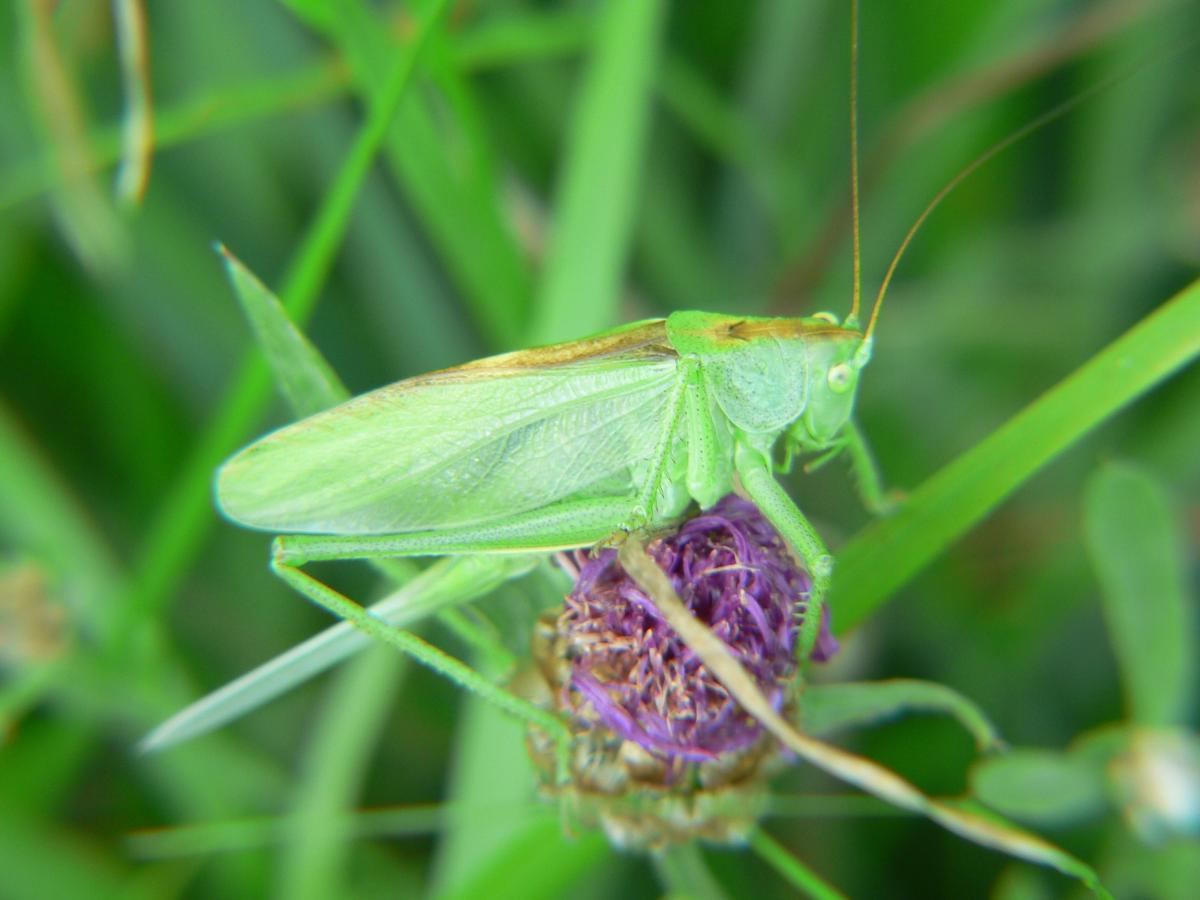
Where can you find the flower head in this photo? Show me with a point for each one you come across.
(662, 752)
(631, 673)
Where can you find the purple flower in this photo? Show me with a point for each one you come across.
(630, 673)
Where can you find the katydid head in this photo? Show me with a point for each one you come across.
(834, 366)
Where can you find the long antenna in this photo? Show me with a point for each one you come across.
(856, 301)
(999, 147)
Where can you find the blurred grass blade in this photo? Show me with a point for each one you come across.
(245, 833)
(209, 113)
(1041, 786)
(353, 715)
(186, 514)
(1135, 543)
(88, 221)
(888, 552)
(597, 188)
(448, 582)
(520, 37)
(459, 210)
(306, 380)
(682, 872)
(539, 862)
(798, 875)
(318, 14)
(825, 708)
(138, 126)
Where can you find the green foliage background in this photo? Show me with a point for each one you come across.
(522, 194)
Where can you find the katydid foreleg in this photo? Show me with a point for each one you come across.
(754, 470)
(709, 466)
(867, 479)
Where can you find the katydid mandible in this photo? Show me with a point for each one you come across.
(564, 446)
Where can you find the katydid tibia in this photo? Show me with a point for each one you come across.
(564, 446)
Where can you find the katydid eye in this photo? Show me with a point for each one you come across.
(839, 378)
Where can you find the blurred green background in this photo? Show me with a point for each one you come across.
(553, 169)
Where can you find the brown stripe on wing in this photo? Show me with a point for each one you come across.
(639, 340)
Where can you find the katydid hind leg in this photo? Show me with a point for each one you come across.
(754, 470)
(564, 525)
(421, 651)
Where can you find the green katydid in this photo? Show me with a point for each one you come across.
(569, 445)
(563, 446)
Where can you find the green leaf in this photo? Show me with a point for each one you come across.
(597, 189)
(887, 553)
(825, 708)
(1135, 543)
(1042, 786)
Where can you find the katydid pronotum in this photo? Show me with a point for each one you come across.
(578, 444)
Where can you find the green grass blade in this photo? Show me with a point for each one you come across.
(351, 722)
(448, 582)
(538, 863)
(1135, 545)
(185, 122)
(682, 872)
(523, 38)
(307, 381)
(129, 18)
(887, 553)
(466, 228)
(832, 707)
(247, 832)
(596, 194)
(798, 875)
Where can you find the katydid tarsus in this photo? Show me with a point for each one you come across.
(584, 443)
